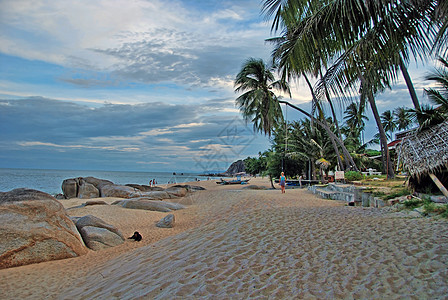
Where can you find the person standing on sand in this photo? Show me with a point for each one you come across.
(282, 182)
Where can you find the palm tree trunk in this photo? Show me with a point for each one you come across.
(327, 129)
(327, 95)
(333, 142)
(383, 139)
(409, 84)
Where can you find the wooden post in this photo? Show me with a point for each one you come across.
(439, 184)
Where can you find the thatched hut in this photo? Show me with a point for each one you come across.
(425, 155)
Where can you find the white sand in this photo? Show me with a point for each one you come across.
(249, 244)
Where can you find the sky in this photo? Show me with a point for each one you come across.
(136, 85)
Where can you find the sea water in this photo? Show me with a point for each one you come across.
(50, 181)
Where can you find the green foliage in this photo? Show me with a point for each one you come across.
(412, 203)
(398, 193)
(353, 176)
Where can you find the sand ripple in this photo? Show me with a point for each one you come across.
(253, 246)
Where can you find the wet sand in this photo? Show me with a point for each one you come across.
(236, 243)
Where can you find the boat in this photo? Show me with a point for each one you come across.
(235, 181)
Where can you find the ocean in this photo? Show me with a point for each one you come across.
(50, 181)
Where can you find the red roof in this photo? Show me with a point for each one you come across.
(393, 143)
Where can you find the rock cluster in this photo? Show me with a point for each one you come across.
(91, 187)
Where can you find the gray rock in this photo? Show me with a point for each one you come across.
(148, 204)
(166, 222)
(93, 221)
(120, 191)
(177, 191)
(87, 190)
(95, 202)
(145, 188)
(97, 238)
(70, 188)
(98, 183)
(34, 227)
(97, 234)
(153, 195)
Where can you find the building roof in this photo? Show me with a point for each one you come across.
(426, 151)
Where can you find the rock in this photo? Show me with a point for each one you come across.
(87, 190)
(176, 191)
(236, 167)
(97, 234)
(120, 191)
(145, 188)
(97, 238)
(95, 202)
(70, 188)
(153, 195)
(147, 204)
(93, 221)
(34, 227)
(98, 183)
(167, 222)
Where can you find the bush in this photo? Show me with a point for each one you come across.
(413, 203)
(398, 193)
(353, 176)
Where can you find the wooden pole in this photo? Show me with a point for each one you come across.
(439, 184)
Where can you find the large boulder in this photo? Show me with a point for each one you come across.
(87, 190)
(147, 204)
(120, 191)
(97, 234)
(177, 191)
(84, 187)
(97, 238)
(98, 183)
(34, 227)
(70, 188)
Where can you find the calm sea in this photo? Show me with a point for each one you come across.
(50, 181)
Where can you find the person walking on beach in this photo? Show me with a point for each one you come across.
(282, 182)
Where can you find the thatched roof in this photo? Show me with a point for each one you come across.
(426, 151)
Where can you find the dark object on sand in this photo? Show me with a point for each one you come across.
(137, 237)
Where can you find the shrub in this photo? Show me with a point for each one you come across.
(353, 175)
(412, 203)
(398, 193)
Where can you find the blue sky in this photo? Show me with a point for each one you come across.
(134, 85)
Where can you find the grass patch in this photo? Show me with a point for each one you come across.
(412, 203)
(398, 193)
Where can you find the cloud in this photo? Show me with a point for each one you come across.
(183, 135)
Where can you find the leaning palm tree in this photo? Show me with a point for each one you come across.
(259, 104)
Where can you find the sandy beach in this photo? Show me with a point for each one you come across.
(237, 243)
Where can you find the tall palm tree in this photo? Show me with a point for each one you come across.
(358, 29)
(258, 103)
(388, 121)
(402, 118)
(354, 119)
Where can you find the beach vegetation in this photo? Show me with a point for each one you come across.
(353, 50)
(353, 176)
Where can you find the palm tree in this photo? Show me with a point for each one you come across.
(402, 118)
(357, 29)
(258, 103)
(428, 115)
(439, 95)
(388, 121)
(354, 119)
